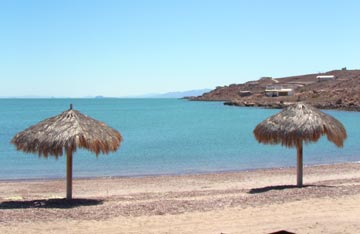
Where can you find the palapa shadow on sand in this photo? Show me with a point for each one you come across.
(282, 232)
(50, 203)
(283, 187)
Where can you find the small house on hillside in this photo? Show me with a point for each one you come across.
(276, 91)
(325, 77)
(245, 93)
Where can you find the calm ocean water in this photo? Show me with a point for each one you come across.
(163, 136)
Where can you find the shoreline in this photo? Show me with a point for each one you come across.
(254, 201)
(175, 174)
(279, 105)
(276, 104)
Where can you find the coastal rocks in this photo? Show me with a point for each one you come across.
(338, 106)
(274, 105)
(347, 106)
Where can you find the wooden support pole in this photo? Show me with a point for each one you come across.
(299, 149)
(69, 175)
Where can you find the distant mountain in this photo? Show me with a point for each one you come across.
(47, 97)
(26, 97)
(180, 94)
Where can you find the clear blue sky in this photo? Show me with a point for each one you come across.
(116, 48)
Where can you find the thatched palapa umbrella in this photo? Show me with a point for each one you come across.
(67, 132)
(296, 124)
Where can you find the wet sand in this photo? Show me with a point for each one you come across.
(258, 201)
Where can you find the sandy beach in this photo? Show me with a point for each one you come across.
(257, 201)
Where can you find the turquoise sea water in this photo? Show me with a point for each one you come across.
(163, 136)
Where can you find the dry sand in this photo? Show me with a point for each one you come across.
(259, 201)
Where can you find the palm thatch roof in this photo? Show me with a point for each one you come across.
(299, 123)
(68, 131)
(296, 124)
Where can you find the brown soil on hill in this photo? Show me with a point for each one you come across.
(343, 93)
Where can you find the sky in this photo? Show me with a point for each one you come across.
(77, 48)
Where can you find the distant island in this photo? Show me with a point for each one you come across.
(337, 89)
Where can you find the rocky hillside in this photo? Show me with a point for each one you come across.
(340, 93)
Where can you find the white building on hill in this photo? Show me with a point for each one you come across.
(276, 91)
